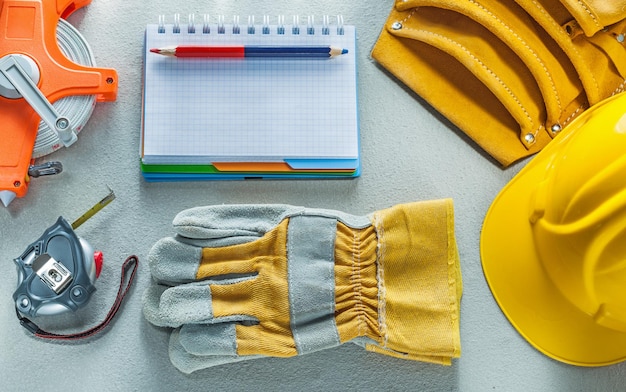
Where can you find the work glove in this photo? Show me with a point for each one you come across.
(511, 74)
(240, 282)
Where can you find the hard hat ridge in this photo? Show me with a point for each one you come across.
(553, 244)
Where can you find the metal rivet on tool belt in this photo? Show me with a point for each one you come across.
(556, 128)
(396, 25)
(530, 138)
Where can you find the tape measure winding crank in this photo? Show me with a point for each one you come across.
(77, 108)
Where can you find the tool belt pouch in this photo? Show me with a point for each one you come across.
(512, 73)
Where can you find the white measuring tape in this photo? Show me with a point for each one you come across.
(76, 108)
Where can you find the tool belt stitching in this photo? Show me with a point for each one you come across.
(575, 51)
(590, 13)
(527, 47)
(619, 88)
(572, 116)
(410, 15)
(490, 72)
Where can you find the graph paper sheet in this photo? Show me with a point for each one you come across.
(202, 111)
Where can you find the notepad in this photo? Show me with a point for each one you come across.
(300, 112)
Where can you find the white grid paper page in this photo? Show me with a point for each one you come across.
(200, 111)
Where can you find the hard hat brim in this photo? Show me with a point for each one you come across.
(523, 290)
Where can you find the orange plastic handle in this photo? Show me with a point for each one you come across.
(28, 27)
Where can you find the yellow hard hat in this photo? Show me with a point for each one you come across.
(553, 244)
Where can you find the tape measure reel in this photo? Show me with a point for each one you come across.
(76, 108)
(49, 86)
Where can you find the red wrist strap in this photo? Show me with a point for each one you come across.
(130, 264)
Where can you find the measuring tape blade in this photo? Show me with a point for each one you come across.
(93, 210)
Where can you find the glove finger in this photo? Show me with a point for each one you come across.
(223, 225)
(190, 303)
(209, 339)
(172, 306)
(187, 362)
(238, 223)
(171, 261)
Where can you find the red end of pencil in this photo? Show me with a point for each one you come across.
(155, 50)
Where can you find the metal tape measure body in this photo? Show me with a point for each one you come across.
(56, 273)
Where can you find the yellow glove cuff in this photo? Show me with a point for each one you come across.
(419, 281)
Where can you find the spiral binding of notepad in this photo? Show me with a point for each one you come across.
(219, 26)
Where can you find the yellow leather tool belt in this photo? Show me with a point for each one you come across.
(511, 74)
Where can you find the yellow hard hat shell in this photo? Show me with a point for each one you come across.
(553, 243)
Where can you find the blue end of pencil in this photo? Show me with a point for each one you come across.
(344, 51)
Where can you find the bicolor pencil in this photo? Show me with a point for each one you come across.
(251, 51)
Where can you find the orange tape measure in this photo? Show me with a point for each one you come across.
(36, 80)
